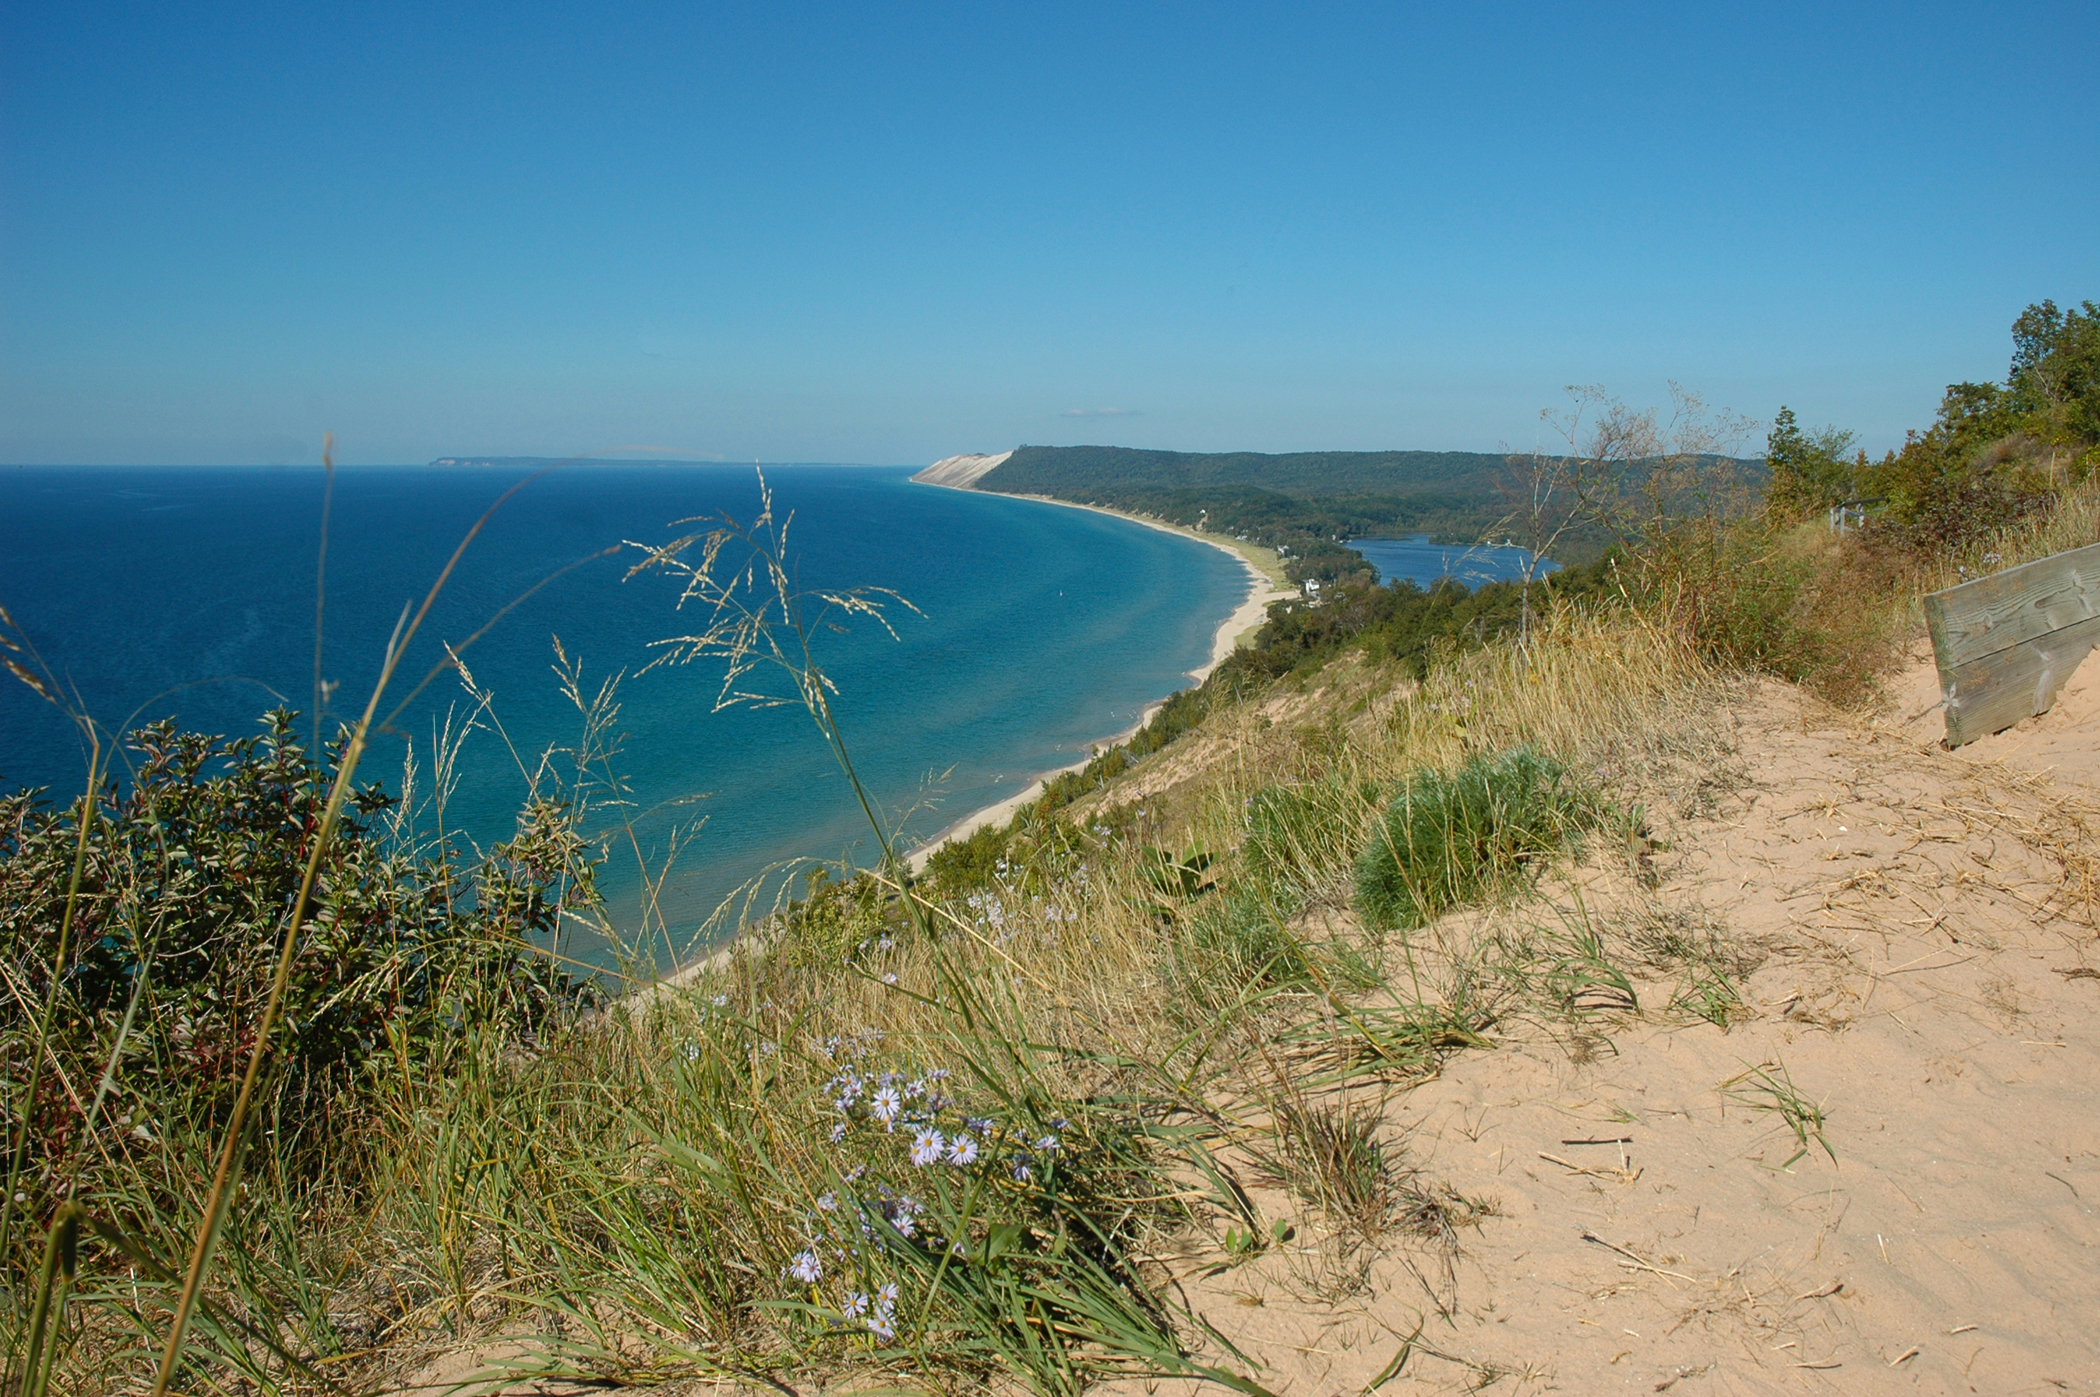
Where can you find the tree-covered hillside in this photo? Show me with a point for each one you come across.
(1390, 474)
(1302, 502)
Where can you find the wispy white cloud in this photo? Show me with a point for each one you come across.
(1101, 412)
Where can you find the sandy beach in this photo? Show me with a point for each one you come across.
(1246, 618)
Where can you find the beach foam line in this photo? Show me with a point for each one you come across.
(1245, 618)
(961, 473)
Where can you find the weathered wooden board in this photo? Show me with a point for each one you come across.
(2024, 603)
(2006, 643)
(1990, 694)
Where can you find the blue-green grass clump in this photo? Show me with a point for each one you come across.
(1297, 834)
(1453, 838)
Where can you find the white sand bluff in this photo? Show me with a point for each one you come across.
(961, 472)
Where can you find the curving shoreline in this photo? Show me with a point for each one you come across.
(1244, 619)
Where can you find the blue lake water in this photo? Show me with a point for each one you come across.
(1416, 559)
(190, 592)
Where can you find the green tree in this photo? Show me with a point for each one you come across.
(1996, 452)
(2054, 384)
(1810, 471)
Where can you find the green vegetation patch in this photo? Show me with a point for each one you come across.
(1297, 834)
(1407, 624)
(185, 878)
(1996, 453)
(1449, 839)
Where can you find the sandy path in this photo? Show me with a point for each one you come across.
(1929, 980)
(2064, 742)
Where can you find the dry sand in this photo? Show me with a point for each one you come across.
(2064, 742)
(961, 472)
(1929, 980)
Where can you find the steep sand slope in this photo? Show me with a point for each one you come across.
(1922, 926)
(960, 472)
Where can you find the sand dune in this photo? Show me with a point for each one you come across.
(960, 472)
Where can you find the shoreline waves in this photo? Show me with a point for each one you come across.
(1242, 622)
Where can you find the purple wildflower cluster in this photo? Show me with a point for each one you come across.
(1005, 911)
(877, 1312)
(908, 1128)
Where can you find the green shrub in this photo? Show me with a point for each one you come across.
(963, 865)
(836, 920)
(188, 875)
(1451, 839)
(1034, 850)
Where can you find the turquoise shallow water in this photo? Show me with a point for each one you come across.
(1045, 629)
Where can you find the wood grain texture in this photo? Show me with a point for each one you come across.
(2006, 643)
(1992, 693)
(2008, 608)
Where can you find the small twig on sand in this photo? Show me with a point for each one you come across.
(1638, 1260)
(1619, 1176)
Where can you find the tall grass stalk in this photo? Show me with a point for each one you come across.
(60, 1244)
(228, 1168)
(756, 616)
(1092, 1294)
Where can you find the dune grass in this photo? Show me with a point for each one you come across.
(1454, 838)
(934, 1135)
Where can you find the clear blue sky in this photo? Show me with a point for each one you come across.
(887, 233)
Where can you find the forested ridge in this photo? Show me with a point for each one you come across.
(1302, 502)
(1308, 504)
